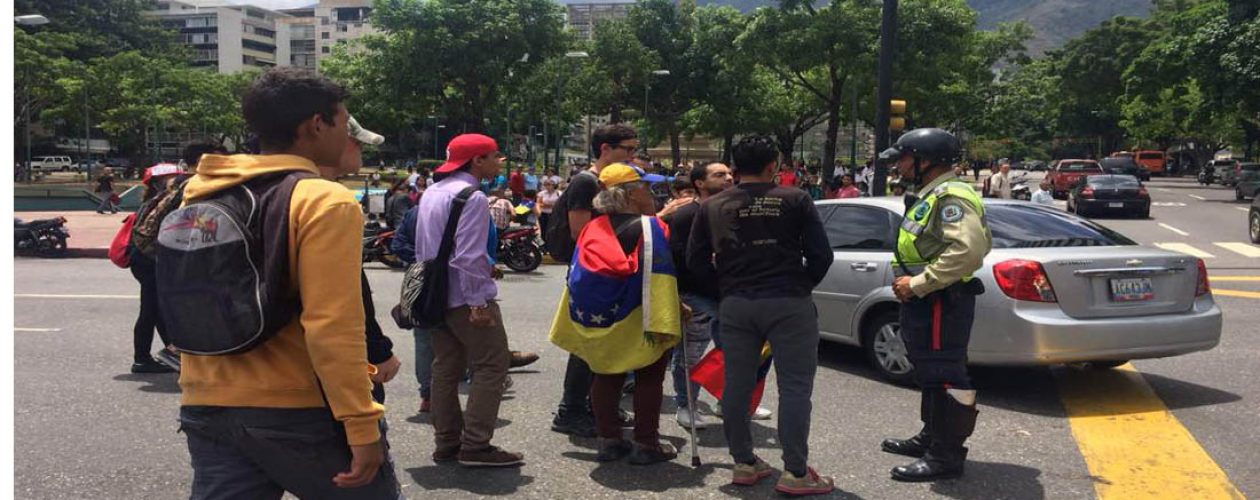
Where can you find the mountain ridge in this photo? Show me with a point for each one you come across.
(1054, 22)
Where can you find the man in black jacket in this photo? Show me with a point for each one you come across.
(767, 248)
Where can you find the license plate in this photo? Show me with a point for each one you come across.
(1116, 204)
(1132, 290)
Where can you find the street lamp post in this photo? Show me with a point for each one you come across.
(647, 84)
(28, 20)
(559, 111)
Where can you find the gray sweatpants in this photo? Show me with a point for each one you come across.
(791, 327)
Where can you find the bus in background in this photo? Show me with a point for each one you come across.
(1154, 161)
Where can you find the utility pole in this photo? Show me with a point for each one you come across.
(883, 98)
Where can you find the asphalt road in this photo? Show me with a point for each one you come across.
(87, 428)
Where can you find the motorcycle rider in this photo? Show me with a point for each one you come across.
(943, 240)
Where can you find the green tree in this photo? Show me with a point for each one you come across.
(457, 54)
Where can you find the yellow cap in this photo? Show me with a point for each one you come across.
(618, 174)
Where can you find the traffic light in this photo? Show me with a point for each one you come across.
(897, 115)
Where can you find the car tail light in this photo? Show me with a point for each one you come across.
(1205, 287)
(1088, 192)
(1024, 280)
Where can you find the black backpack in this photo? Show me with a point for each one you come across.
(422, 302)
(560, 242)
(223, 267)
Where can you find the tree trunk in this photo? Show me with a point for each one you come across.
(614, 113)
(834, 116)
(674, 147)
(728, 140)
(787, 142)
(829, 148)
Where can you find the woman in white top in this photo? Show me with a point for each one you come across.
(546, 202)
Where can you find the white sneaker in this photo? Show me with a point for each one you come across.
(702, 421)
(762, 412)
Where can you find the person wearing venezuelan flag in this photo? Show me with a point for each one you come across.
(621, 312)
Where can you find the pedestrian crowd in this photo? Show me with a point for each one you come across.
(283, 370)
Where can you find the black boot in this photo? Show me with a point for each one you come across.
(917, 445)
(951, 424)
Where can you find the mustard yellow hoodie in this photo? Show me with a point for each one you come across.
(326, 338)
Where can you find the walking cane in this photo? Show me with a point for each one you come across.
(691, 397)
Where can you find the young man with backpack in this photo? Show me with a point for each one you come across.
(291, 409)
(162, 184)
(614, 143)
(471, 335)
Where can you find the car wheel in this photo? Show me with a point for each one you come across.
(886, 352)
(1254, 226)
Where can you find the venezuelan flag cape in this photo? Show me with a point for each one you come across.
(618, 313)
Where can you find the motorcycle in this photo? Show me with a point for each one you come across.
(519, 250)
(1020, 189)
(1207, 175)
(376, 242)
(42, 238)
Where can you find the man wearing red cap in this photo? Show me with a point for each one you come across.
(473, 336)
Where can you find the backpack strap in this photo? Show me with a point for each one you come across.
(271, 223)
(452, 223)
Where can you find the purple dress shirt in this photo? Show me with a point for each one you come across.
(470, 283)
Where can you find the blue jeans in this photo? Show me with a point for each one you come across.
(424, 360)
(697, 332)
(260, 453)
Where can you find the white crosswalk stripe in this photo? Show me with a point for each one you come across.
(1186, 249)
(1244, 249)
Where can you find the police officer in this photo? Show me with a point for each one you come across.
(942, 241)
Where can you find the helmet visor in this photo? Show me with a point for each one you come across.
(890, 154)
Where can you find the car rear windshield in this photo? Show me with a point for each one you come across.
(1031, 226)
(1110, 163)
(1114, 181)
(1080, 167)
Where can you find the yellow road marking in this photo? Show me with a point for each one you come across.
(1133, 446)
(1236, 293)
(1184, 248)
(1242, 248)
(55, 296)
(1235, 278)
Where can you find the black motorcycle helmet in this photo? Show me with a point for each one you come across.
(929, 146)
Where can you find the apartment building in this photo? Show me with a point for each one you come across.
(225, 36)
(582, 17)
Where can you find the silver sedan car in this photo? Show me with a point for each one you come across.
(1058, 289)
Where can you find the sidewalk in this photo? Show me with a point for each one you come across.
(90, 232)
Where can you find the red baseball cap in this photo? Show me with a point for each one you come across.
(465, 147)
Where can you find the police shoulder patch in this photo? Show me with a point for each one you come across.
(951, 212)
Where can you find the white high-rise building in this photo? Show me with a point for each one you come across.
(225, 36)
(315, 30)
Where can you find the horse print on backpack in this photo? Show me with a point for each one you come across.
(223, 267)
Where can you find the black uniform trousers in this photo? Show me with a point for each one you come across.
(936, 330)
